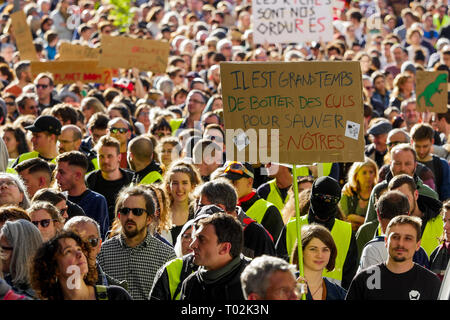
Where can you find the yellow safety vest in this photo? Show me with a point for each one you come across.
(151, 177)
(31, 155)
(438, 24)
(174, 268)
(258, 210)
(341, 233)
(303, 171)
(175, 124)
(274, 195)
(430, 237)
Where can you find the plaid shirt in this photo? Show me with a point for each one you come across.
(138, 265)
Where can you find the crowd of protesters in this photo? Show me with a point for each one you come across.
(107, 193)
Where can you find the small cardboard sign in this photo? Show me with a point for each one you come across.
(24, 39)
(432, 91)
(68, 51)
(125, 52)
(311, 111)
(71, 71)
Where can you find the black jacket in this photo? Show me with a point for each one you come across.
(227, 287)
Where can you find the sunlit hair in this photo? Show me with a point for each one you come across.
(183, 167)
(356, 167)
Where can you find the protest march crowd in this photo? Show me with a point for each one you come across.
(123, 191)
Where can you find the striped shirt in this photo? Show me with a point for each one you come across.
(138, 265)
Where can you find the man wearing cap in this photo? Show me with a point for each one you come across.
(378, 148)
(242, 176)
(325, 196)
(46, 130)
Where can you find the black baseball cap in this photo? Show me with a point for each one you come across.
(48, 124)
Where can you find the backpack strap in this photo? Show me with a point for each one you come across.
(101, 291)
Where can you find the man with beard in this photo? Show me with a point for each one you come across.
(399, 278)
(110, 178)
(325, 196)
(135, 255)
(140, 159)
(426, 208)
(403, 162)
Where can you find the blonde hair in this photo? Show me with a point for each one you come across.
(355, 168)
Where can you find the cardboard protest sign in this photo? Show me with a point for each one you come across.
(68, 51)
(24, 39)
(124, 52)
(67, 72)
(306, 111)
(431, 91)
(288, 21)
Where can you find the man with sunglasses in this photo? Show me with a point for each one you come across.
(120, 129)
(264, 212)
(324, 210)
(44, 90)
(89, 231)
(378, 148)
(135, 255)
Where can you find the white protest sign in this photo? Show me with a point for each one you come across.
(292, 21)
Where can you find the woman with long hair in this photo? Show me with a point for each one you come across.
(403, 89)
(19, 240)
(15, 140)
(61, 270)
(362, 177)
(180, 181)
(319, 253)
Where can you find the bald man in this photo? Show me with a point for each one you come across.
(140, 159)
(70, 140)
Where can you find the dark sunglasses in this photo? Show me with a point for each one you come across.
(136, 211)
(93, 242)
(393, 143)
(44, 223)
(121, 130)
(327, 198)
(7, 248)
(43, 86)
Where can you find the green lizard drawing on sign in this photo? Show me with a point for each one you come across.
(431, 89)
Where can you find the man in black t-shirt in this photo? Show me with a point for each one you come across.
(399, 278)
(110, 178)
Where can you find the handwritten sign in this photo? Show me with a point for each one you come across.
(68, 51)
(124, 52)
(67, 72)
(431, 91)
(24, 39)
(287, 21)
(313, 110)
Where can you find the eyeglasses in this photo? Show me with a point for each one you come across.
(10, 103)
(393, 143)
(93, 242)
(121, 130)
(327, 198)
(43, 86)
(237, 167)
(196, 101)
(136, 211)
(44, 223)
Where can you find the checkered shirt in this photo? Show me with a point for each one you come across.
(138, 265)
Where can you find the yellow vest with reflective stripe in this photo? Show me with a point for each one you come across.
(275, 197)
(258, 210)
(31, 155)
(174, 269)
(151, 177)
(430, 237)
(341, 233)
